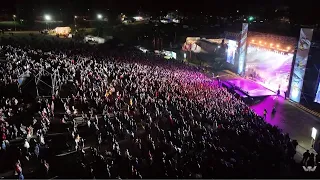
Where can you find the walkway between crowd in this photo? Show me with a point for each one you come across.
(290, 119)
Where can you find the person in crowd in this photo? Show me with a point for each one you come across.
(3, 146)
(265, 112)
(37, 150)
(274, 110)
(306, 155)
(311, 160)
(18, 170)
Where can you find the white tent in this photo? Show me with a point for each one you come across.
(93, 39)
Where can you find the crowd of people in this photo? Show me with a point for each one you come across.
(144, 116)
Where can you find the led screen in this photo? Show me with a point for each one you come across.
(300, 63)
(269, 66)
(317, 98)
(243, 48)
(231, 51)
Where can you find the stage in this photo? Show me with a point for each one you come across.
(246, 87)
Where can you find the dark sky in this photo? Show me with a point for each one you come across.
(306, 10)
(212, 6)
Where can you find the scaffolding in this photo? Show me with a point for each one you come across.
(55, 86)
(54, 81)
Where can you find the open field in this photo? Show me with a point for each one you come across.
(10, 24)
(25, 35)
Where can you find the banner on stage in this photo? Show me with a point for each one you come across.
(243, 48)
(300, 63)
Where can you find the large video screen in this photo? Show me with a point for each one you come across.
(232, 47)
(269, 61)
(202, 45)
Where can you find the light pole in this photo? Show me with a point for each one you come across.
(75, 22)
(14, 19)
(47, 18)
(99, 17)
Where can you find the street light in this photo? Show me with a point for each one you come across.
(99, 16)
(47, 18)
(14, 19)
(75, 23)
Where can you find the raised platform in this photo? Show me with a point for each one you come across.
(247, 87)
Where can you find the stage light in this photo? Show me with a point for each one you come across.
(47, 17)
(278, 45)
(288, 48)
(260, 42)
(252, 40)
(271, 44)
(265, 43)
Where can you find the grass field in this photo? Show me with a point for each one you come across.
(25, 36)
(9, 24)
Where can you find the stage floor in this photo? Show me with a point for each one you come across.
(254, 89)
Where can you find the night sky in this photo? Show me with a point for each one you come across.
(213, 6)
(307, 10)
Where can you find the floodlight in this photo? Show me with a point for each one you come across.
(47, 17)
(99, 16)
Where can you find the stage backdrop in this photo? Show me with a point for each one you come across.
(300, 63)
(269, 60)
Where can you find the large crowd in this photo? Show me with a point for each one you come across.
(144, 116)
